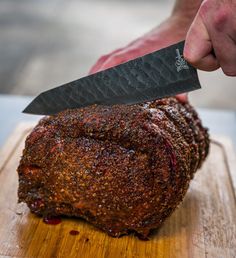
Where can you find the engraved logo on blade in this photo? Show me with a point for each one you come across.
(180, 62)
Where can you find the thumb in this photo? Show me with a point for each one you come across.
(198, 49)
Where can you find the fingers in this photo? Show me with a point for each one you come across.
(98, 66)
(225, 52)
(223, 34)
(95, 68)
(117, 57)
(198, 47)
(182, 97)
(213, 28)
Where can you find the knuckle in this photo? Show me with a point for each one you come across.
(217, 16)
(119, 58)
(221, 18)
(103, 58)
(205, 7)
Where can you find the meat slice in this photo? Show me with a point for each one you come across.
(123, 168)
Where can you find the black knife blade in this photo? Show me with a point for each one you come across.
(162, 73)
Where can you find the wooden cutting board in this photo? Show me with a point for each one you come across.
(204, 225)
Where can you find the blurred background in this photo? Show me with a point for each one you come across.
(45, 43)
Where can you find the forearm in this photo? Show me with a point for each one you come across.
(187, 9)
(182, 16)
(170, 31)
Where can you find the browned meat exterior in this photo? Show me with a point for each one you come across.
(123, 168)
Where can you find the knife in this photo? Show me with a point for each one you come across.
(162, 73)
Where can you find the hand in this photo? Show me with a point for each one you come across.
(214, 28)
(167, 33)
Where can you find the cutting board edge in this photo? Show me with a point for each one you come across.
(17, 137)
(13, 140)
(230, 156)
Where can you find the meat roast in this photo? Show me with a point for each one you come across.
(123, 168)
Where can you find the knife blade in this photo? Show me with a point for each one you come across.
(162, 73)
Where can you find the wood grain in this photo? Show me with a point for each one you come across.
(204, 225)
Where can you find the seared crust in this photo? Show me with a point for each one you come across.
(122, 168)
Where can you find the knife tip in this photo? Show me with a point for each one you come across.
(30, 110)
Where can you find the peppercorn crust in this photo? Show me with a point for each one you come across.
(123, 168)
